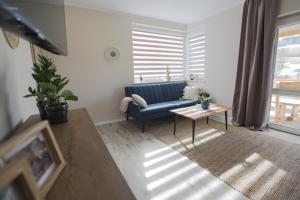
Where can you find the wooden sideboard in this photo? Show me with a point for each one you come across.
(90, 172)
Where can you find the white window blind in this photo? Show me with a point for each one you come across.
(157, 55)
(196, 56)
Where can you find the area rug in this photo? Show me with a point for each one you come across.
(257, 165)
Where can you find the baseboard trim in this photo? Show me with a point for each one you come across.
(109, 121)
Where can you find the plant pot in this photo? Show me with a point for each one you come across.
(57, 113)
(42, 110)
(205, 105)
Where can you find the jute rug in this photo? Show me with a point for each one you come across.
(257, 165)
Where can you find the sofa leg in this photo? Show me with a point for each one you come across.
(143, 127)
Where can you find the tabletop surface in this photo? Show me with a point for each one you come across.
(90, 171)
(196, 112)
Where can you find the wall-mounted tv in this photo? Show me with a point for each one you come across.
(42, 22)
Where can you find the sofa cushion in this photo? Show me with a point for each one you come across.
(166, 106)
(158, 107)
(184, 103)
(172, 91)
(150, 92)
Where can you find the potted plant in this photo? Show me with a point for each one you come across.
(51, 100)
(204, 100)
(57, 106)
(43, 71)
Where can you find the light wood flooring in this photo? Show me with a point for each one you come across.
(155, 171)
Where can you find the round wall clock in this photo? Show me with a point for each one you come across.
(111, 54)
(12, 39)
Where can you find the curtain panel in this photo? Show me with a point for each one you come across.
(255, 71)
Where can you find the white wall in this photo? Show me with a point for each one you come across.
(15, 78)
(222, 47)
(98, 83)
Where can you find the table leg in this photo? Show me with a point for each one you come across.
(193, 126)
(174, 130)
(206, 120)
(226, 120)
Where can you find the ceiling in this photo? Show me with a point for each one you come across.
(181, 11)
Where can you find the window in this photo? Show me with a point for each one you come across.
(196, 57)
(158, 55)
(285, 104)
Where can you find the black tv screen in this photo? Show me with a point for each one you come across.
(42, 22)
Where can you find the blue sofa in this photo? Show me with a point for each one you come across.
(160, 97)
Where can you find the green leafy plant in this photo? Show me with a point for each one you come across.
(204, 99)
(54, 93)
(49, 84)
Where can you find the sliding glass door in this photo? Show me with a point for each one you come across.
(285, 104)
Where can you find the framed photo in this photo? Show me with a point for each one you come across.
(17, 182)
(39, 148)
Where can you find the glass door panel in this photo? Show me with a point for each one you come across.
(285, 105)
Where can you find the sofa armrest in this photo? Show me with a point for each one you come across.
(134, 110)
(133, 106)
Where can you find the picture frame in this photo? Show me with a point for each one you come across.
(39, 147)
(17, 182)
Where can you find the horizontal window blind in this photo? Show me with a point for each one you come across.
(196, 56)
(157, 56)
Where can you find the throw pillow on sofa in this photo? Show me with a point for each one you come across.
(139, 100)
(191, 92)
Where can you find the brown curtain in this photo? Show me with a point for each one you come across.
(253, 87)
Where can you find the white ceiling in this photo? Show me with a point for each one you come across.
(181, 11)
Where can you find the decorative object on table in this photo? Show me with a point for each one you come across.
(12, 39)
(17, 182)
(204, 100)
(41, 151)
(111, 54)
(51, 100)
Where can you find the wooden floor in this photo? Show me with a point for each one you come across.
(155, 171)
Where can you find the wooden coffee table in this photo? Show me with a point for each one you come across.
(196, 112)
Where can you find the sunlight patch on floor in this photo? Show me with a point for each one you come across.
(239, 167)
(202, 193)
(160, 169)
(180, 187)
(184, 140)
(205, 139)
(159, 159)
(171, 176)
(153, 153)
(274, 180)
